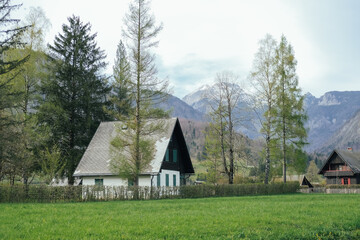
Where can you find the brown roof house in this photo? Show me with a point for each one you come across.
(342, 167)
(171, 165)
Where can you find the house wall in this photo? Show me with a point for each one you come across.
(116, 181)
(108, 181)
(162, 175)
(337, 180)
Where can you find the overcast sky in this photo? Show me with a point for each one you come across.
(203, 37)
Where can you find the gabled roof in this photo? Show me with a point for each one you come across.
(97, 157)
(352, 159)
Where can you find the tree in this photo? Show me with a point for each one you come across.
(9, 68)
(264, 80)
(75, 91)
(224, 103)
(312, 173)
(51, 164)
(27, 83)
(289, 107)
(121, 86)
(212, 154)
(147, 91)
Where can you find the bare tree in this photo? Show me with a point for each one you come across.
(224, 99)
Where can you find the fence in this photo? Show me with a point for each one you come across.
(44, 193)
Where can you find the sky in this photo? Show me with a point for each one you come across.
(201, 38)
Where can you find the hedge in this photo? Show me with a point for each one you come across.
(44, 193)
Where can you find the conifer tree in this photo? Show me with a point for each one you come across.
(148, 90)
(290, 112)
(122, 92)
(75, 92)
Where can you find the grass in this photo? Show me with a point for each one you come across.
(296, 216)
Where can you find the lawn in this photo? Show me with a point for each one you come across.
(296, 216)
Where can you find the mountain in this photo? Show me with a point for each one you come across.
(200, 100)
(180, 109)
(328, 114)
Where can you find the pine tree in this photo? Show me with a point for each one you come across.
(75, 92)
(289, 108)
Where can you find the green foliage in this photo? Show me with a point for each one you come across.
(44, 193)
(121, 85)
(295, 216)
(51, 163)
(264, 79)
(123, 149)
(75, 91)
(10, 97)
(213, 161)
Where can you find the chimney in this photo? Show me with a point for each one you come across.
(349, 149)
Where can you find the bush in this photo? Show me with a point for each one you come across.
(44, 193)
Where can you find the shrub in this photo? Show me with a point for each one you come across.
(44, 193)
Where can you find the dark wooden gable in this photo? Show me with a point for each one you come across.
(177, 156)
(335, 163)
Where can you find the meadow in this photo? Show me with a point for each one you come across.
(292, 216)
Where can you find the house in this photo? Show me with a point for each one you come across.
(171, 165)
(342, 167)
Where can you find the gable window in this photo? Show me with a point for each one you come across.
(174, 180)
(174, 155)
(99, 182)
(158, 180)
(167, 179)
(167, 155)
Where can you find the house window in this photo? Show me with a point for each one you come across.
(167, 155)
(174, 180)
(158, 180)
(99, 182)
(174, 155)
(130, 183)
(167, 179)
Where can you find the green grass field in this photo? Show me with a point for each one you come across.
(298, 216)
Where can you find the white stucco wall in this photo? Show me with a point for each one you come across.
(116, 181)
(144, 181)
(108, 181)
(163, 178)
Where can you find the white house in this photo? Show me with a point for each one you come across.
(171, 165)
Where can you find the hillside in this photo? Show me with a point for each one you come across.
(327, 115)
(347, 136)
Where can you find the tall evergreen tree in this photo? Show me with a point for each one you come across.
(75, 92)
(140, 34)
(121, 85)
(290, 112)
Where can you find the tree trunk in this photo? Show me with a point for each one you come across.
(231, 143)
(267, 160)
